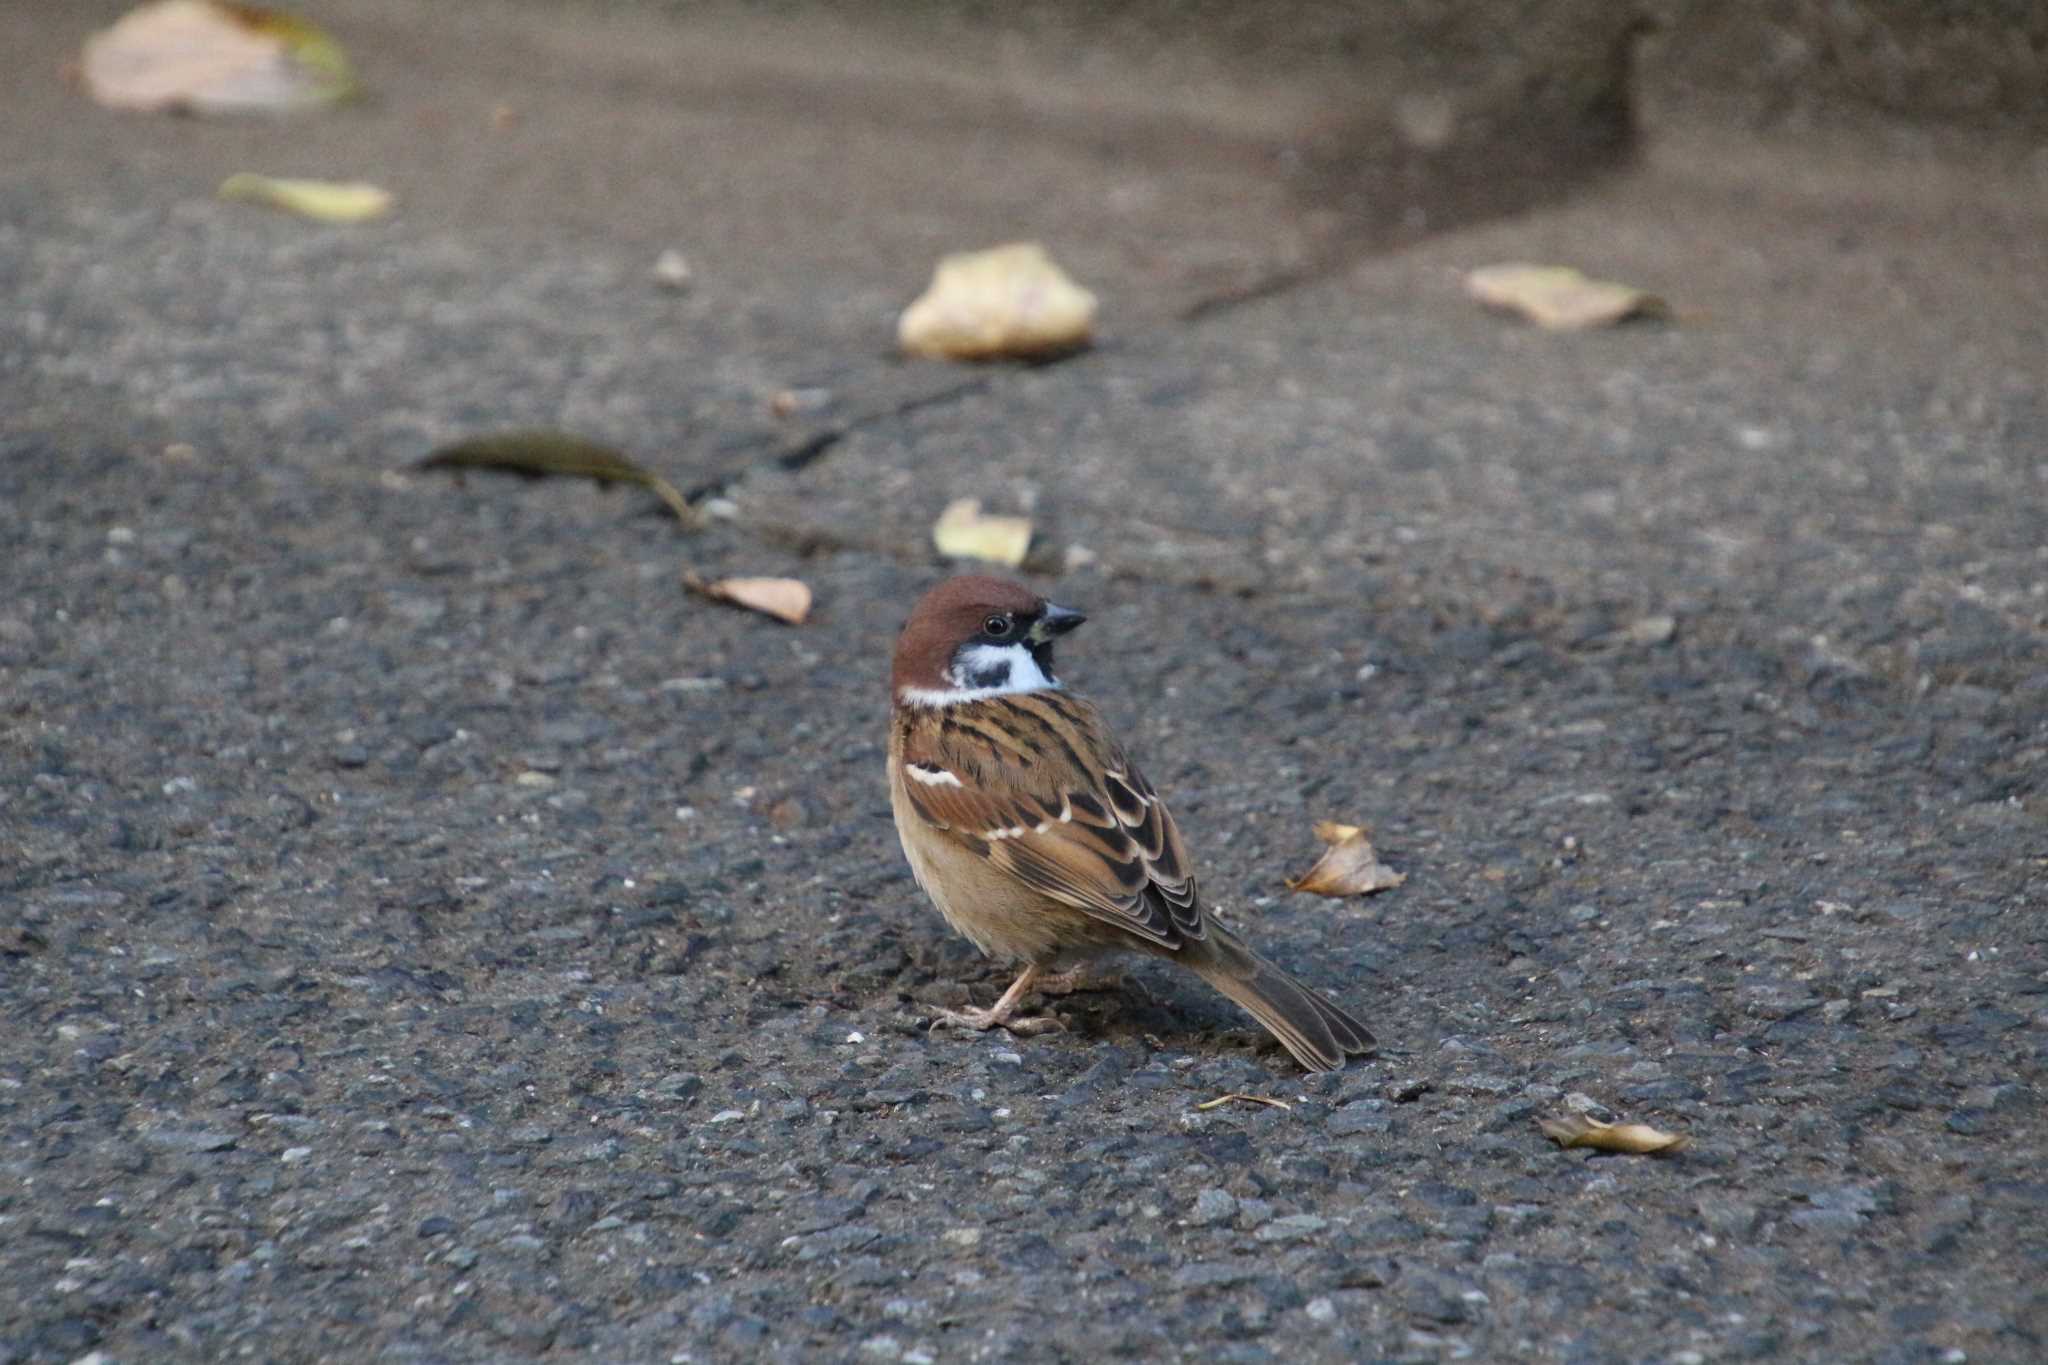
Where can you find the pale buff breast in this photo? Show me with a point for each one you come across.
(998, 914)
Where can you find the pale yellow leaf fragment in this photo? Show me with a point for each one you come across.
(326, 201)
(786, 599)
(963, 532)
(203, 57)
(1348, 867)
(1559, 298)
(1640, 1139)
(1008, 302)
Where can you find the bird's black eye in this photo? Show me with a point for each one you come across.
(997, 626)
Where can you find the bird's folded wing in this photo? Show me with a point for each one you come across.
(1106, 846)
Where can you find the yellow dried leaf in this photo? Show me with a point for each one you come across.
(211, 58)
(1559, 298)
(786, 599)
(1008, 302)
(963, 532)
(328, 201)
(1348, 867)
(1576, 1130)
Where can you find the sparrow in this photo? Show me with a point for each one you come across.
(1034, 835)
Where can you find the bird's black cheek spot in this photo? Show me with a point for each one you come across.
(989, 675)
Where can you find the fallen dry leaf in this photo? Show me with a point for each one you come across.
(1576, 1130)
(201, 57)
(328, 201)
(1559, 298)
(963, 532)
(1348, 867)
(1008, 302)
(1206, 1105)
(786, 599)
(541, 453)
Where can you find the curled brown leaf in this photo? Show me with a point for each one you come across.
(1348, 867)
(786, 599)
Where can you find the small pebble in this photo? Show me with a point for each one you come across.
(1652, 630)
(672, 271)
(1213, 1205)
(1581, 1103)
(1294, 1227)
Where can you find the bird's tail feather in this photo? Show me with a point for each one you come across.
(1319, 1034)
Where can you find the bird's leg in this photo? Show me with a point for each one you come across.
(1088, 976)
(998, 1014)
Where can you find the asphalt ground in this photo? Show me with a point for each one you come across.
(429, 934)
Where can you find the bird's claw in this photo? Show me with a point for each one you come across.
(981, 1020)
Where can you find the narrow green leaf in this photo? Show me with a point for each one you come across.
(541, 453)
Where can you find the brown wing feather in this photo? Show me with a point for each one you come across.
(1046, 795)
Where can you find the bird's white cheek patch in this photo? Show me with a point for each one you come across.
(980, 672)
(931, 777)
(998, 669)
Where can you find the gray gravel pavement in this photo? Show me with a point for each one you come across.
(428, 934)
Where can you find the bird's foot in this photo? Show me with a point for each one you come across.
(981, 1020)
(999, 1015)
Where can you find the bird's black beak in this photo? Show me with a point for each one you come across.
(1056, 621)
